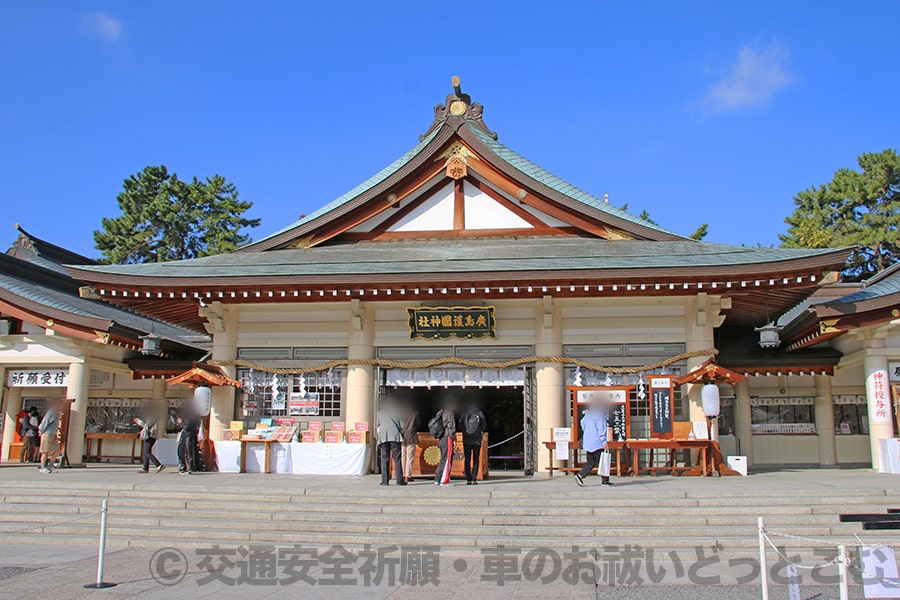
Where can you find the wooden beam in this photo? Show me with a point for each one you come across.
(404, 211)
(500, 198)
(372, 208)
(459, 206)
(497, 179)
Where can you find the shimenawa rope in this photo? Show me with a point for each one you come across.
(465, 362)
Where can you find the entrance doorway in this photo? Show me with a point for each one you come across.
(508, 406)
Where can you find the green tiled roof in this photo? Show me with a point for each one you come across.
(883, 284)
(96, 309)
(469, 255)
(552, 181)
(514, 159)
(361, 188)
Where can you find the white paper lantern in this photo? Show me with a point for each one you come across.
(711, 402)
(202, 400)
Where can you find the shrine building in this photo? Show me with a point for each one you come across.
(463, 269)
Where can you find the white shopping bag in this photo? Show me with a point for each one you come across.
(605, 461)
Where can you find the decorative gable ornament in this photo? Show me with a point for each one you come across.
(456, 169)
(456, 160)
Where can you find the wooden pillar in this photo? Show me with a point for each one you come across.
(878, 391)
(743, 420)
(77, 389)
(360, 384)
(12, 407)
(550, 386)
(824, 417)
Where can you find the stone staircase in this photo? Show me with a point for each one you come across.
(550, 514)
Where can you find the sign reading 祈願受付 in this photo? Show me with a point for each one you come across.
(38, 378)
(461, 322)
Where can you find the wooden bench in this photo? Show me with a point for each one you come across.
(90, 437)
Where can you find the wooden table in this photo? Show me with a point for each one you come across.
(266, 467)
(616, 447)
(669, 445)
(90, 437)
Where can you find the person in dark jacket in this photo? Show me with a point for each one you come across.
(188, 442)
(472, 424)
(448, 418)
(389, 425)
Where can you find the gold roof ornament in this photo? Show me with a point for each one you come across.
(458, 105)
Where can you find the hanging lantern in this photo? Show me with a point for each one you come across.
(202, 400)
(150, 345)
(769, 335)
(711, 402)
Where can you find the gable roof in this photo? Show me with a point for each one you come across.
(32, 281)
(469, 127)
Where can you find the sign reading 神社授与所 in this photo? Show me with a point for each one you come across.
(38, 378)
(445, 322)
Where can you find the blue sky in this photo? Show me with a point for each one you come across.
(696, 112)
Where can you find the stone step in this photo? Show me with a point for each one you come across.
(354, 522)
(606, 497)
(223, 507)
(191, 547)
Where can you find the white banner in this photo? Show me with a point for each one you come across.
(878, 396)
(38, 378)
(455, 377)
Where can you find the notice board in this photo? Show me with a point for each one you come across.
(662, 407)
(619, 417)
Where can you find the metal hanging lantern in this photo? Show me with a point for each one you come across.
(769, 335)
(151, 345)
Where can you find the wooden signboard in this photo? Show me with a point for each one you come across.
(619, 418)
(662, 407)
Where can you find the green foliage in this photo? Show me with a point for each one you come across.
(856, 208)
(646, 217)
(700, 233)
(164, 218)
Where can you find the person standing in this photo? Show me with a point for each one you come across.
(28, 429)
(594, 437)
(149, 433)
(389, 425)
(49, 431)
(473, 425)
(188, 444)
(447, 434)
(410, 439)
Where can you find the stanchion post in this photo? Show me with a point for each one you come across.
(100, 584)
(763, 568)
(844, 571)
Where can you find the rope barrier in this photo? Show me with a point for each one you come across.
(45, 525)
(506, 440)
(858, 541)
(475, 364)
(781, 555)
(839, 560)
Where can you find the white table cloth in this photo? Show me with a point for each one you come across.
(295, 457)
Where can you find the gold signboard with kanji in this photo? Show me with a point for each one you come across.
(445, 322)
